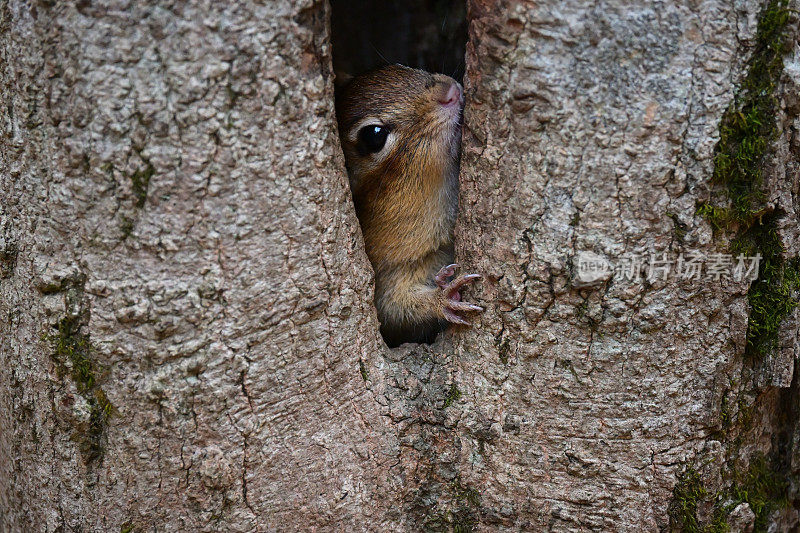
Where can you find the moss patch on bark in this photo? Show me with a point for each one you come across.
(746, 131)
(763, 487)
(72, 353)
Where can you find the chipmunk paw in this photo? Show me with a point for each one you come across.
(450, 295)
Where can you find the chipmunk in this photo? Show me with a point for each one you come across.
(400, 130)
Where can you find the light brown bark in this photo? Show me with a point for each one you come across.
(171, 184)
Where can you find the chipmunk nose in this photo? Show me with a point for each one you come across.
(452, 96)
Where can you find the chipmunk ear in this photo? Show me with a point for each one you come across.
(341, 78)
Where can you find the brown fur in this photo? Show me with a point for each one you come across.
(406, 196)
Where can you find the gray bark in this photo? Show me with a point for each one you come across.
(173, 196)
(216, 306)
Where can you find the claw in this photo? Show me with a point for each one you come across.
(451, 297)
(454, 286)
(454, 318)
(444, 273)
(456, 305)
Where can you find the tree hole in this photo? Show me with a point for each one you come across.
(426, 34)
(429, 35)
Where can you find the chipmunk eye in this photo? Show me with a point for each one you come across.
(372, 138)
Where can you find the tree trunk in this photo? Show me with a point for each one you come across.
(188, 336)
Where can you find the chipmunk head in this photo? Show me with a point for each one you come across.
(397, 121)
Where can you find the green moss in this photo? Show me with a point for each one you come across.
(140, 181)
(762, 487)
(461, 514)
(70, 345)
(719, 521)
(449, 521)
(72, 349)
(725, 415)
(126, 226)
(100, 410)
(440, 522)
(582, 309)
(772, 296)
(748, 125)
(452, 395)
(464, 524)
(465, 494)
(680, 228)
(686, 495)
(746, 131)
(718, 217)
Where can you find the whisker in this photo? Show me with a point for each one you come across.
(380, 54)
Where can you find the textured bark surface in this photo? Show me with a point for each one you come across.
(226, 301)
(591, 128)
(172, 195)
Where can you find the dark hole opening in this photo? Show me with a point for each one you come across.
(426, 34)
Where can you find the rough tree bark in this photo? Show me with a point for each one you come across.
(188, 339)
